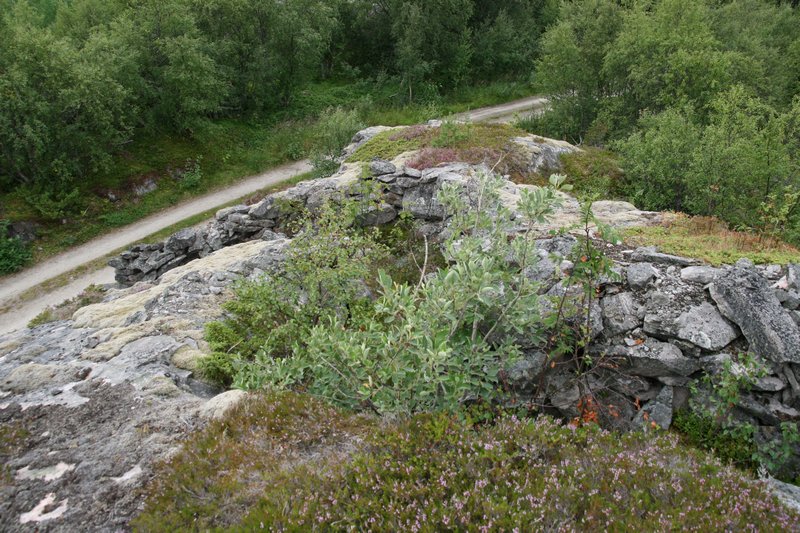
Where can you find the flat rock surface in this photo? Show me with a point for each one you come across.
(89, 405)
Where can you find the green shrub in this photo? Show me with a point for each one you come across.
(711, 423)
(333, 131)
(327, 263)
(192, 175)
(451, 134)
(55, 204)
(594, 172)
(442, 341)
(14, 253)
(703, 432)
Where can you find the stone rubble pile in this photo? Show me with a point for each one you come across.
(668, 321)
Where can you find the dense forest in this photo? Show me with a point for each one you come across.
(79, 78)
(701, 100)
(699, 97)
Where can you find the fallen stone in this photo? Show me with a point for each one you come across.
(788, 494)
(700, 274)
(753, 407)
(544, 155)
(377, 215)
(746, 299)
(650, 255)
(640, 275)
(622, 313)
(791, 301)
(222, 214)
(701, 325)
(412, 172)
(422, 203)
(793, 275)
(266, 208)
(769, 384)
(772, 272)
(561, 245)
(217, 407)
(782, 411)
(181, 240)
(379, 167)
(656, 359)
(658, 410)
(523, 374)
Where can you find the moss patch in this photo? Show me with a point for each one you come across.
(64, 311)
(709, 239)
(489, 144)
(12, 438)
(593, 171)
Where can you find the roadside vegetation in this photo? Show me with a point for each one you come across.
(112, 111)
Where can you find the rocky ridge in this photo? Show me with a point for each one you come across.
(100, 398)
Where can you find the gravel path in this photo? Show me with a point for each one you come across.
(11, 288)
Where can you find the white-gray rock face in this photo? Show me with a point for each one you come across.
(640, 275)
(102, 395)
(651, 255)
(701, 325)
(622, 313)
(700, 274)
(654, 359)
(745, 298)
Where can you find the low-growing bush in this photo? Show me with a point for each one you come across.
(324, 275)
(594, 172)
(442, 341)
(14, 253)
(55, 203)
(192, 174)
(288, 463)
(333, 132)
(713, 424)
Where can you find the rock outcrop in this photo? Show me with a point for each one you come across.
(94, 402)
(404, 189)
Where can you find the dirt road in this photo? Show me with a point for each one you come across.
(11, 288)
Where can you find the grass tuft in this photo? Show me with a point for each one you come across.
(709, 239)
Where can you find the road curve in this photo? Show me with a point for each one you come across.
(13, 286)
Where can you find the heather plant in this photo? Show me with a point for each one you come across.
(286, 462)
(442, 341)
